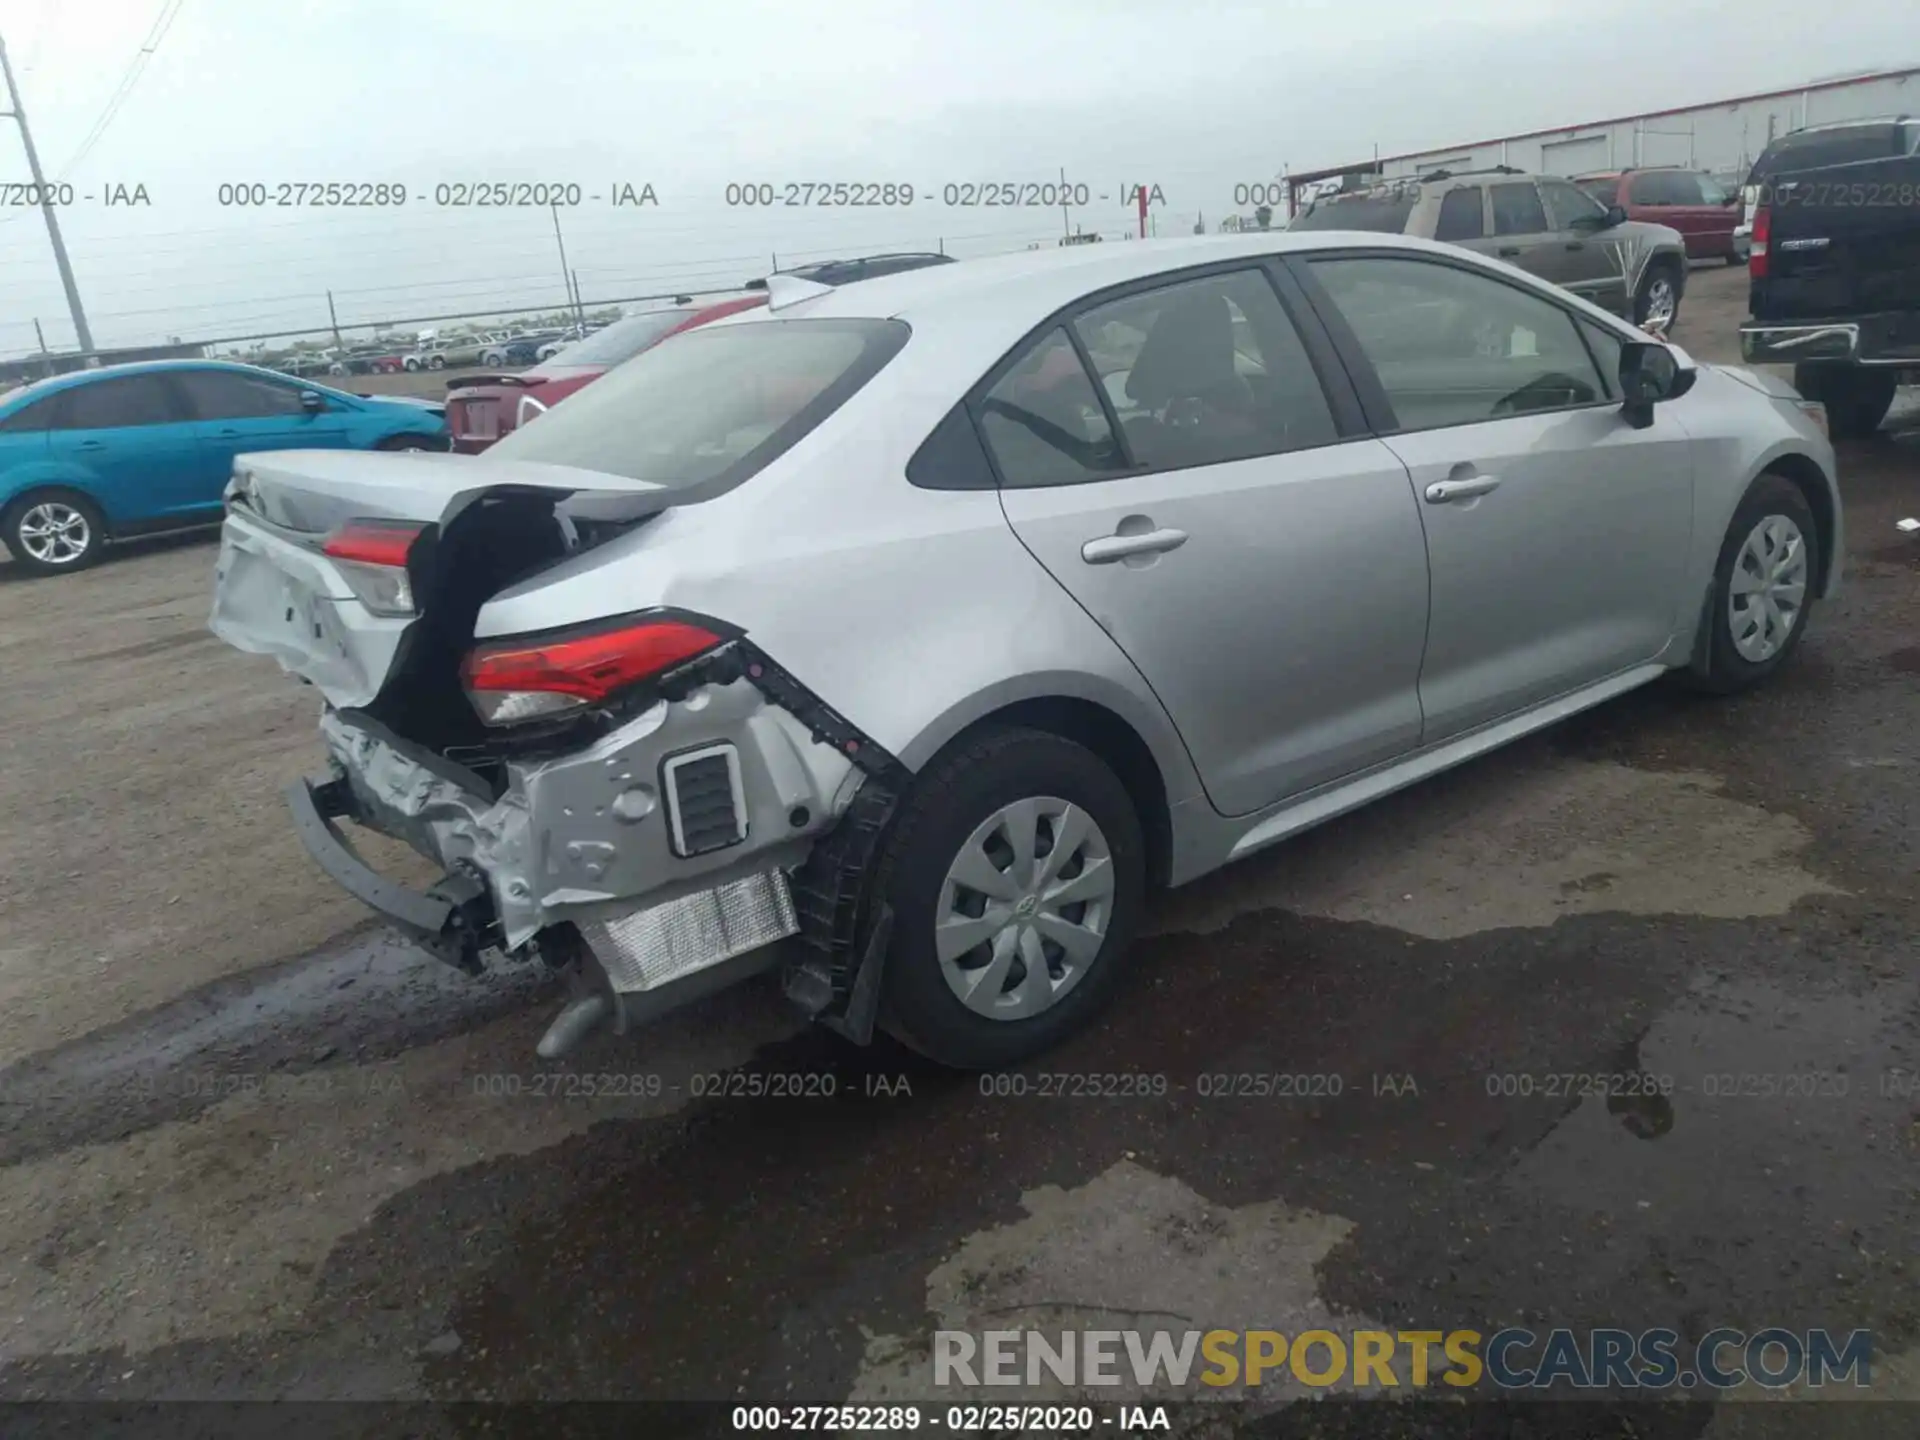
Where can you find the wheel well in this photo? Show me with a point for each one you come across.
(1807, 478)
(1115, 742)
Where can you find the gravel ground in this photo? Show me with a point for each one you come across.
(254, 1148)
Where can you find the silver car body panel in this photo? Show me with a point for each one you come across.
(1301, 686)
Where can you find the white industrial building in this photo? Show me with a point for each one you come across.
(1720, 136)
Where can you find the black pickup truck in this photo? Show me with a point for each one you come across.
(1835, 267)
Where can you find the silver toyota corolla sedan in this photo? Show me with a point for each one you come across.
(927, 623)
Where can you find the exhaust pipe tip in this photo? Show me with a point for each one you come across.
(579, 1019)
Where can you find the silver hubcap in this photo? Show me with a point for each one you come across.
(1024, 909)
(1660, 299)
(55, 534)
(1769, 587)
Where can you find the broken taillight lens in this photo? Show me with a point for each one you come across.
(371, 556)
(525, 679)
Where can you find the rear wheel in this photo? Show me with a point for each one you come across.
(1015, 872)
(437, 362)
(50, 532)
(1762, 587)
(409, 442)
(1857, 397)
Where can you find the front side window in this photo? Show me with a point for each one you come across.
(1517, 210)
(1044, 422)
(1461, 216)
(224, 395)
(110, 404)
(1452, 347)
(1570, 206)
(1712, 192)
(714, 407)
(1206, 371)
(1604, 192)
(37, 416)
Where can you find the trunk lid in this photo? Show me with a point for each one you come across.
(278, 593)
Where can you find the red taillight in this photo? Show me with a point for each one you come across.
(511, 680)
(372, 542)
(371, 556)
(1757, 242)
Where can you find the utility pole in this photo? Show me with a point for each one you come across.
(579, 305)
(80, 330)
(338, 343)
(1066, 226)
(566, 271)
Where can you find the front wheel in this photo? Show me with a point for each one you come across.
(1762, 587)
(54, 531)
(1658, 297)
(1015, 872)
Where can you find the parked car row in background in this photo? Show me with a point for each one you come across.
(100, 455)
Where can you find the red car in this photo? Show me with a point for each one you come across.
(480, 412)
(1690, 201)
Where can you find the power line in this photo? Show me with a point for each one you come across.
(161, 24)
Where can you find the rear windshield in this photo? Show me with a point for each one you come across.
(626, 338)
(1819, 148)
(1385, 213)
(713, 405)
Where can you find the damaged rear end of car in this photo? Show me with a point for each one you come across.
(628, 791)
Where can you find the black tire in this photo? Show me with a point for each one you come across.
(1857, 397)
(437, 362)
(1728, 671)
(1734, 257)
(1643, 297)
(410, 442)
(89, 513)
(957, 793)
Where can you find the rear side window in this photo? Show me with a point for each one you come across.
(109, 404)
(715, 406)
(1205, 371)
(1461, 216)
(1044, 422)
(1386, 214)
(1517, 210)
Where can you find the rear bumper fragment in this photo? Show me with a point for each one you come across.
(453, 919)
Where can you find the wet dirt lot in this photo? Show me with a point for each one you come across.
(251, 1147)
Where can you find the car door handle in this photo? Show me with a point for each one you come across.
(1109, 548)
(1508, 250)
(1442, 492)
(92, 445)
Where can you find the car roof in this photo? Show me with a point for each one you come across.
(978, 309)
(136, 367)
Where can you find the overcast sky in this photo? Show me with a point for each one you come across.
(1194, 95)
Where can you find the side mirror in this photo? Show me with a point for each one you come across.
(1650, 372)
(312, 401)
(1616, 215)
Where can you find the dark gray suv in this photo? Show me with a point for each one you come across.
(1541, 223)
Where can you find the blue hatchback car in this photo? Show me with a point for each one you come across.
(128, 450)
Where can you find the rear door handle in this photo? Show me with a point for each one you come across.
(1508, 250)
(92, 445)
(1576, 244)
(1110, 548)
(1442, 492)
